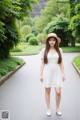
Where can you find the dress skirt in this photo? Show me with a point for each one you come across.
(52, 74)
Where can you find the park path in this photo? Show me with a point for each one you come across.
(23, 94)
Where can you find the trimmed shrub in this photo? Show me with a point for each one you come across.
(33, 41)
(41, 37)
(29, 36)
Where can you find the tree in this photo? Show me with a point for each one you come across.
(51, 10)
(59, 25)
(75, 22)
(27, 21)
(10, 10)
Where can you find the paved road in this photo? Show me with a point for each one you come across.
(23, 94)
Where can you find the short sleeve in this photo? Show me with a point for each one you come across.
(42, 53)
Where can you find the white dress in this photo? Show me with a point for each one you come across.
(52, 75)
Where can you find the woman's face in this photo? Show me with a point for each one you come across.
(52, 42)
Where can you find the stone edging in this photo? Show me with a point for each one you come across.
(76, 68)
(4, 78)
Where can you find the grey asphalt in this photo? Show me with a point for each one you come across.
(23, 94)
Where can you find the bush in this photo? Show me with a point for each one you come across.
(29, 36)
(7, 65)
(33, 41)
(41, 37)
(20, 47)
(17, 60)
(2, 71)
(17, 49)
(25, 30)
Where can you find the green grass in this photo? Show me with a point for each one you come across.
(71, 49)
(26, 49)
(76, 60)
(7, 65)
(77, 44)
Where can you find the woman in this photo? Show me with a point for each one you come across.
(52, 70)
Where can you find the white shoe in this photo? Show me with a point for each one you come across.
(48, 114)
(59, 113)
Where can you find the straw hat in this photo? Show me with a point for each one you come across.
(55, 36)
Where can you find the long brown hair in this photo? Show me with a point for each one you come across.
(56, 46)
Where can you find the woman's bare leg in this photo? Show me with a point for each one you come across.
(58, 98)
(47, 98)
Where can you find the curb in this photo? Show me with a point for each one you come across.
(6, 77)
(76, 68)
(39, 52)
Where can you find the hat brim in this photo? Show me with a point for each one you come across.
(58, 38)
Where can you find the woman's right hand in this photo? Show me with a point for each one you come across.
(41, 78)
(63, 77)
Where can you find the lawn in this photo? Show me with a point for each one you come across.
(76, 60)
(71, 49)
(26, 49)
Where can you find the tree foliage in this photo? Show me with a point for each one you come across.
(10, 10)
(41, 37)
(59, 25)
(25, 30)
(75, 22)
(52, 9)
(26, 21)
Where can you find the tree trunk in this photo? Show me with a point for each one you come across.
(64, 43)
(72, 41)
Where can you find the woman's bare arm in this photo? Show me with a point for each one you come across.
(41, 70)
(62, 69)
(62, 65)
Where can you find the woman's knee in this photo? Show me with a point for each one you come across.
(47, 90)
(58, 92)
